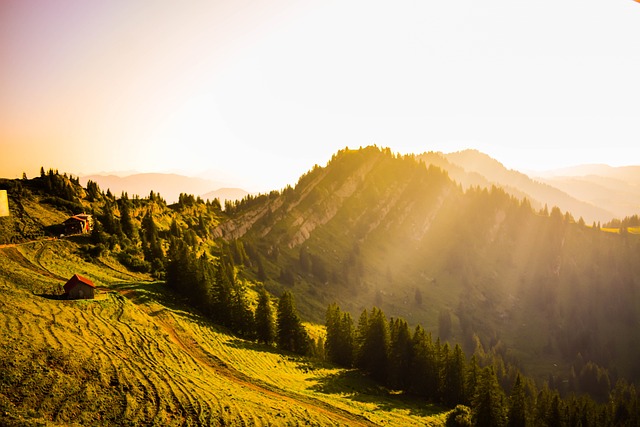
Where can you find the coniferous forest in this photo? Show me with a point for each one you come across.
(467, 297)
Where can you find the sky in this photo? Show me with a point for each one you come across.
(255, 93)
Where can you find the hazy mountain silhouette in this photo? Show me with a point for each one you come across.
(224, 194)
(473, 168)
(618, 188)
(169, 186)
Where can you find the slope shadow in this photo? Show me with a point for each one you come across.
(242, 344)
(352, 384)
(55, 297)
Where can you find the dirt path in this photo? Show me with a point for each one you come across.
(202, 356)
(13, 245)
(15, 255)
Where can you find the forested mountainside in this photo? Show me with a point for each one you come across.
(536, 288)
(374, 228)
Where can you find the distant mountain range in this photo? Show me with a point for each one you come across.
(593, 192)
(617, 188)
(169, 186)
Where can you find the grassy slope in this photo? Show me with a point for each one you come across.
(136, 356)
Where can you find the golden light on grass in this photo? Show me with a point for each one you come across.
(136, 355)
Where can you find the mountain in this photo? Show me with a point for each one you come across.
(169, 186)
(526, 290)
(225, 194)
(473, 168)
(139, 354)
(618, 188)
(372, 228)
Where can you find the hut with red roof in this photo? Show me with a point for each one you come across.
(79, 287)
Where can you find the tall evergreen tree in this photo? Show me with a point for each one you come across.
(265, 324)
(453, 376)
(517, 415)
(221, 292)
(360, 337)
(151, 246)
(339, 344)
(128, 228)
(488, 404)
(424, 371)
(376, 346)
(241, 319)
(291, 334)
(472, 379)
(400, 354)
(556, 413)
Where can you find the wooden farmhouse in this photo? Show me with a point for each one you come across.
(78, 224)
(79, 287)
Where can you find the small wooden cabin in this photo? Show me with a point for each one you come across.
(78, 224)
(79, 287)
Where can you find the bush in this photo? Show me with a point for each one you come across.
(134, 261)
(459, 417)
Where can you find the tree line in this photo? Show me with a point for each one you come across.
(213, 287)
(483, 391)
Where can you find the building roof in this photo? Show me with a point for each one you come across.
(75, 218)
(75, 280)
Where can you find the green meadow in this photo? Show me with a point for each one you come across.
(137, 356)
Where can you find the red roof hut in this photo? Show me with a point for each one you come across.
(79, 287)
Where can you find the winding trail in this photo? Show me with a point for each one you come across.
(156, 369)
(210, 361)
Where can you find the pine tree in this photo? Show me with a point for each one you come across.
(265, 324)
(151, 241)
(241, 319)
(339, 344)
(180, 272)
(400, 354)
(453, 376)
(472, 378)
(374, 353)
(556, 414)
(517, 415)
(126, 221)
(488, 404)
(360, 337)
(424, 371)
(291, 334)
(221, 292)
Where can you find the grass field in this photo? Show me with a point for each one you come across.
(631, 230)
(136, 356)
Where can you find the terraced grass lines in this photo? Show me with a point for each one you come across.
(136, 356)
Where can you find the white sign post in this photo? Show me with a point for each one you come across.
(4, 203)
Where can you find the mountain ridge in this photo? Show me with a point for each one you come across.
(167, 185)
(477, 266)
(477, 168)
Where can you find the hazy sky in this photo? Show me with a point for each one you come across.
(260, 91)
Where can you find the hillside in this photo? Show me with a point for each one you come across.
(524, 289)
(138, 356)
(372, 228)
